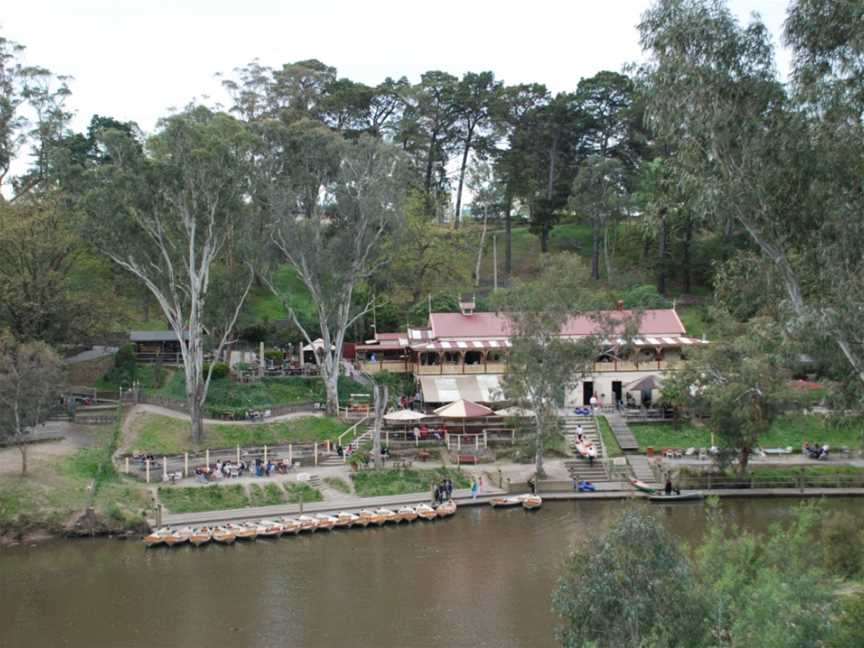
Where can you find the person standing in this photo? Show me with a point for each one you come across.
(474, 488)
(593, 402)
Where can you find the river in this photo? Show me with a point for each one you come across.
(481, 578)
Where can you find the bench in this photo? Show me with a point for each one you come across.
(423, 455)
(466, 459)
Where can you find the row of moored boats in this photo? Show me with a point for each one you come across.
(528, 502)
(230, 532)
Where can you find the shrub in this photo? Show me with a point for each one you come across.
(645, 296)
(843, 544)
(220, 370)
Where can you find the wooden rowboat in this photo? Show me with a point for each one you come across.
(371, 517)
(224, 535)
(326, 522)
(643, 487)
(290, 525)
(345, 520)
(505, 502)
(270, 529)
(307, 523)
(157, 537)
(531, 502)
(426, 512)
(201, 536)
(680, 497)
(387, 515)
(243, 531)
(406, 514)
(447, 509)
(178, 536)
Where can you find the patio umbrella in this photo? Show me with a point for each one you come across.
(463, 409)
(404, 415)
(516, 412)
(647, 383)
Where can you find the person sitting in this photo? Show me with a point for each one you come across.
(823, 453)
(586, 486)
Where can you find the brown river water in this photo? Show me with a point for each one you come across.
(481, 578)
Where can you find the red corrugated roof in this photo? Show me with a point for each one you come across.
(493, 325)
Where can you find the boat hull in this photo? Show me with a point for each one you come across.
(683, 497)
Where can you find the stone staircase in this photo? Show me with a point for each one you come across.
(579, 468)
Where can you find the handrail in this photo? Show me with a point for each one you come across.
(353, 428)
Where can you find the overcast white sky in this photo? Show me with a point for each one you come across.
(133, 60)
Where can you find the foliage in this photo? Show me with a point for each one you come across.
(645, 296)
(338, 484)
(125, 370)
(217, 370)
(266, 495)
(190, 499)
(842, 540)
(633, 587)
(374, 483)
(849, 624)
(609, 440)
(299, 491)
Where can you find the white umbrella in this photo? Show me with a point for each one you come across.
(404, 415)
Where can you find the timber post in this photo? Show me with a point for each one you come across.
(126, 466)
(316, 453)
(265, 457)
(164, 468)
(207, 457)
(238, 454)
(290, 454)
(185, 464)
(147, 470)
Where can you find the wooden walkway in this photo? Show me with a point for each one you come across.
(641, 468)
(622, 432)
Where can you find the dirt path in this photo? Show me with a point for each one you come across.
(141, 409)
(74, 438)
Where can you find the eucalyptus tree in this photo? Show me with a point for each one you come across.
(475, 107)
(787, 175)
(168, 216)
(340, 245)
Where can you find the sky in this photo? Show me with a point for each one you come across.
(136, 60)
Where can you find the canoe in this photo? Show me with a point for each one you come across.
(307, 523)
(326, 522)
(642, 486)
(345, 520)
(371, 517)
(447, 509)
(289, 525)
(243, 531)
(157, 537)
(387, 515)
(426, 512)
(406, 514)
(179, 536)
(201, 536)
(505, 502)
(270, 529)
(682, 497)
(223, 535)
(531, 502)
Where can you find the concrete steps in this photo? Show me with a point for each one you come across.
(580, 468)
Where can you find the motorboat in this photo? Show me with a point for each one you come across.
(224, 535)
(157, 537)
(345, 520)
(270, 529)
(290, 525)
(446, 509)
(692, 496)
(307, 523)
(426, 512)
(406, 514)
(371, 517)
(243, 531)
(326, 522)
(201, 536)
(531, 502)
(387, 515)
(178, 536)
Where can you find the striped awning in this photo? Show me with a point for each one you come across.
(462, 345)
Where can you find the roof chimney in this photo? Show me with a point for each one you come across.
(619, 305)
(466, 305)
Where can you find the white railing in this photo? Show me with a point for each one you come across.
(352, 431)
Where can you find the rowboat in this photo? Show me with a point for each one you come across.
(642, 486)
(387, 515)
(363, 520)
(201, 536)
(307, 523)
(531, 502)
(179, 536)
(157, 537)
(270, 529)
(426, 512)
(406, 514)
(290, 525)
(243, 531)
(371, 517)
(224, 535)
(326, 522)
(680, 497)
(505, 502)
(345, 520)
(447, 509)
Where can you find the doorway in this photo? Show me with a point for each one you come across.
(587, 392)
(618, 392)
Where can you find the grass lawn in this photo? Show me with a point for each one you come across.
(263, 305)
(267, 495)
(373, 483)
(769, 473)
(296, 491)
(609, 440)
(205, 498)
(789, 431)
(166, 435)
(338, 484)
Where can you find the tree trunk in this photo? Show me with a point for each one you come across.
(538, 456)
(196, 419)
(480, 252)
(688, 240)
(606, 251)
(331, 386)
(508, 228)
(380, 393)
(544, 238)
(22, 448)
(461, 182)
(595, 251)
(663, 253)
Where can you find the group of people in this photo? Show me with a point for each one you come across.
(228, 469)
(442, 492)
(816, 451)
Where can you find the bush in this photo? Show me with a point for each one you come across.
(843, 544)
(220, 370)
(645, 296)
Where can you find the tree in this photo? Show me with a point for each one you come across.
(335, 252)
(599, 191)
(608, 101)
(474, 107)
(633, 587)
(169, 217)
(740, 382)
(31, 377)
